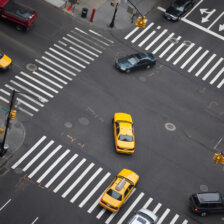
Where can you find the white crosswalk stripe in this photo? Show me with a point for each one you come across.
(168, 47)
(47, 156)
(55, 68)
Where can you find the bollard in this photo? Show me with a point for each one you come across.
(93, 12)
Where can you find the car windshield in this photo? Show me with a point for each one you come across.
(178, 7)
(114, 194)
(132, 60)
(19, 11)
(145, 216)
(126, 138)
(1, 55)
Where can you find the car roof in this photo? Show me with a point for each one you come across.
(120, 185)
(209, 197)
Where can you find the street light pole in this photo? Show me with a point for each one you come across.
(113, 19)
(2, 148)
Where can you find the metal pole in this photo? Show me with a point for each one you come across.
(135, 7)
(2, 149)
(113, 19)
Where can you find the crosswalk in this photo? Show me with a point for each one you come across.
(58, 66)
(82, 183)
(187, 55)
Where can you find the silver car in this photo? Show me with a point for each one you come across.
(143, 216)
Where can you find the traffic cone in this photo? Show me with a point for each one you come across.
(69, 8)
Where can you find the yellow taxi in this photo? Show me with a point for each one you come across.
(124, 133)
(119, 190)
(5, 61)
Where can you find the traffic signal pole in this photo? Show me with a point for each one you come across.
(2, 147)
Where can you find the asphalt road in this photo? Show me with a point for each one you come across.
(171, 164)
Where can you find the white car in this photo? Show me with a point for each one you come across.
(143, 216)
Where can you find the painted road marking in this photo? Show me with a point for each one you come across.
(29, 152)
(53, 166)
(184, 53)
(147, 38)
(174, 219)
(37, 81)
(91, 31)
(60, 171)
(78, 180)
(220, 84)
(69, 175)
(86, 185)
(156, 39)
(90, 58)
(103, 210)
(141, 33)
(95, 204)
(5, 204)
(131, 208)
(217, 76)
(205, 65)
(94, 190)
(131, 33)
(44, 161)
(72, 60)
(54, 70)
(33, 86)
(199, 59)
(216, 20)
(212, 69)
(74, 55)
(84, 49)
(27, 104)
(35, 220)
(190, 58)
(148, 203)
(157, 208)
(176, 51)
(163, 43)
(38, 155)
(62, 68)
(29, 91)
(185, 222)
(53, 76)
(163, 216)
(169, 47)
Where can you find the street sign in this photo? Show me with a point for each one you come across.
(6, 110)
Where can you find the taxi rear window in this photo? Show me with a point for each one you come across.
(114, 194)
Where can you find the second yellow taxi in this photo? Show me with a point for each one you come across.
(5, 62)
(124, 133)
(119, 190)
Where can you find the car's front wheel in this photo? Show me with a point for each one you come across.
(128, 70)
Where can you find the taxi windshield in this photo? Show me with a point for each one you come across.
(126, 138)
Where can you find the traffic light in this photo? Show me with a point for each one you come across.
(2, 131)
(12, 114)
(141, 22)
(218, 158)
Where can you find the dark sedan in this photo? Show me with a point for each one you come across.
(135, 61)
(177, 9)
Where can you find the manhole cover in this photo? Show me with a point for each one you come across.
(68, 125)
(31, 67)
(170, 127)
(18, 170)
(173, 40)
(83, 121)
(142, 78)
(187, 43)
(204, 188)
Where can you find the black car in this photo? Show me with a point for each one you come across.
(209, 202)
(177, 9)
(135, 61)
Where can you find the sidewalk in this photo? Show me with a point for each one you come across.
(104, 11)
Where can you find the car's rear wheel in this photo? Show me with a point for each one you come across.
(203, 214)
(148, 67)
(19, 27)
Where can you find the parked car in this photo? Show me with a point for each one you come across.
(143, 216)
(205, 203)
(177, 9)
(124, 137)
(135, 61)
(119, 190)
(21, 15)
(5, 62)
